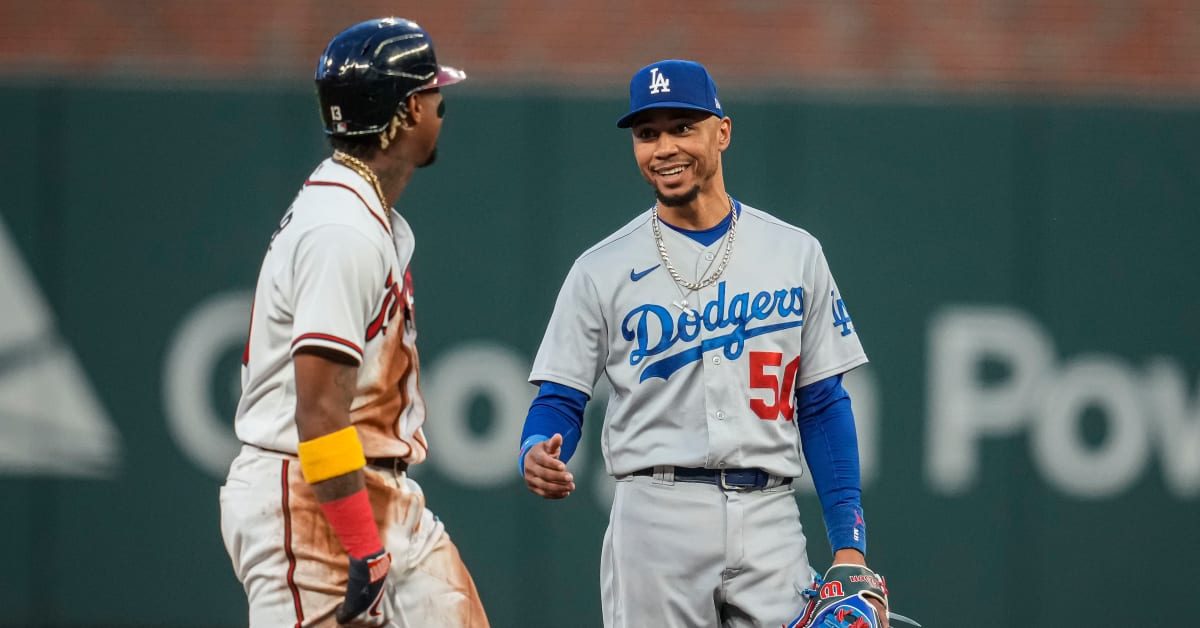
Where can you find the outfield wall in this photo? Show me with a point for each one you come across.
(1023, 276)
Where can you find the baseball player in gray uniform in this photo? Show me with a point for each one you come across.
(724, 338)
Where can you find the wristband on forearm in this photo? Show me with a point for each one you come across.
(351, 518)
(354, 524)
(846, 529)
(331, 455)
(526, 446)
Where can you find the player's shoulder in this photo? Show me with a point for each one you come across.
(780, 231)
(331, 198)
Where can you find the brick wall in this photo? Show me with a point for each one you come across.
(1126, 47)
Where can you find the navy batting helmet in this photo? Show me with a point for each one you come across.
(370, 69)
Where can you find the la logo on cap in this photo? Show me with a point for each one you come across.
(658, 82)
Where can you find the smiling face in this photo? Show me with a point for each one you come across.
(679, 152)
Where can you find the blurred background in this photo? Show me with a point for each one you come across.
(1007, 192)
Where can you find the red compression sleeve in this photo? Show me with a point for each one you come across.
(352, 521)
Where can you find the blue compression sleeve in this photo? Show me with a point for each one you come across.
(830, 444)
(557, 409)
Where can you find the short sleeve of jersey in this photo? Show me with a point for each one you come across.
(829, 342)
(338, 276)
(575, 347)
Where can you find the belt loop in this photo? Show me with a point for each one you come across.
(664, 474)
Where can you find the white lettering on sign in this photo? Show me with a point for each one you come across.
(1048, 398)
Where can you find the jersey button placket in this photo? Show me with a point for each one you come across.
(722, 442)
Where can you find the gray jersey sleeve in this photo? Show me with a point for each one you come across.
(575, 348)
(829, 340)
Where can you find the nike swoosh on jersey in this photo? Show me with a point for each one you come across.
(636, 275)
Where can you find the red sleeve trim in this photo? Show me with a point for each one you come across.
(329, 338)
(381, 221)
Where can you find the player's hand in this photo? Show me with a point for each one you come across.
(849, 556)
(365, 591)
(545, 474)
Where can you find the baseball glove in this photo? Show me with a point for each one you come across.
(842, 599)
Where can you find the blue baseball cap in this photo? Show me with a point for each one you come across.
(671, 84)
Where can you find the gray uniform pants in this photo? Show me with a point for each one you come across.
(691, 555)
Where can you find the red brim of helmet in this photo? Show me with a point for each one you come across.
(447, 76)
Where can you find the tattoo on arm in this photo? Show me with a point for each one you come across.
(326, 382)
(345, 381)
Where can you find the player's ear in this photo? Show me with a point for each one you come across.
(423, 104)
(419, 104)
(724, 134)
(408, 112)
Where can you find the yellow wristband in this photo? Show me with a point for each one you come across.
(331, 455)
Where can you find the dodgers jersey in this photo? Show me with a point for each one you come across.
(711, 385)
(336, 275)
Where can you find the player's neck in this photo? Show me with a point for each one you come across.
(393, 174)
(704, 212)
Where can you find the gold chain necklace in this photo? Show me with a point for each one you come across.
(364, 171)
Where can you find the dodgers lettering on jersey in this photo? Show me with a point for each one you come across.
(655, 331)
(710, 384)
(336, 275)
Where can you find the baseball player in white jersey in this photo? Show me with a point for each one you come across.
(720, 329)
(322, 523)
